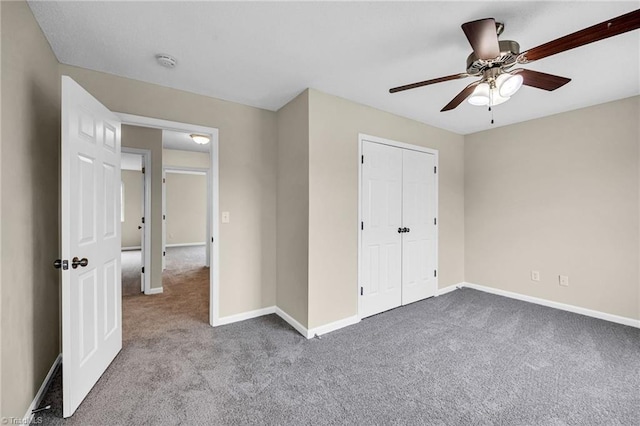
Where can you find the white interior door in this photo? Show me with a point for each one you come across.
(164, 220)
(91, 292)
(419, 245)
(143, 224)
(381, 273)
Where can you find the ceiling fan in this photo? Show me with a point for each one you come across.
(492, 60)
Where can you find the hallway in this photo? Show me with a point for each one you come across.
(184, 300)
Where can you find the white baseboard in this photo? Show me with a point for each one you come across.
(131, 248)
(154, 290)
(557, 305)
(185, 244)
(41, 392)
(293, 323)
(448, 289)
(333, 326)
(246, 315)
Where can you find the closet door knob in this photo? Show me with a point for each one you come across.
(400, 231)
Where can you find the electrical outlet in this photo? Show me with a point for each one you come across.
(535, 275)
(564, 280)
(225, 217)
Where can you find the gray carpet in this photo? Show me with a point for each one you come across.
(179, 258)
(465, 358)
(131, 261)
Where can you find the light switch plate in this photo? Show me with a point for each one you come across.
(535, 275)
(564, 280)
(225, 217)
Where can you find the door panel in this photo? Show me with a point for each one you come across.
(418, 214)
(381, 243)
(91, 294)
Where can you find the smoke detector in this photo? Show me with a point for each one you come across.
(166, 60)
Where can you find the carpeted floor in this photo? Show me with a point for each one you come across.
(464, 358)
(179, 261)
(131, 261)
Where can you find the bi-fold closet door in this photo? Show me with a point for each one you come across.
(398, 230)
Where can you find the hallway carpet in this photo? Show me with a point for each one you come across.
(464, 358)
(131, 261)
(184, 299)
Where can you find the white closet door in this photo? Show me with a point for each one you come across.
(419, 245)
(381, 278)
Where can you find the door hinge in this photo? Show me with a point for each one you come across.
(164, 253)
(143, 269)
(435, 273)
(362, 159)
(435, 221)
(361, 291)
(143, 170)
(362, 226)
(211, 239)
(164, 217)
(435, 169)
(143, 220)
(164, 180)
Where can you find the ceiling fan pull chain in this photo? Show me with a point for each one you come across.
(491, 103)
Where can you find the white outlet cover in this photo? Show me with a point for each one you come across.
(225, 217)
(535, 275)
(564, 280)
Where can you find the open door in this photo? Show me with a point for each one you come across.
(91, 280)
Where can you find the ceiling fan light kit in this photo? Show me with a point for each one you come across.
(492, 60)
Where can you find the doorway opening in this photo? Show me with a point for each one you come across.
(185, 209)
(135, 203)
(182, 222)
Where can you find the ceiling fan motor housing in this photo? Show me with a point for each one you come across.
(509, 51)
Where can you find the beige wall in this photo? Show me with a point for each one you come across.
(333, 198)
(150, 139)
(178, 158)
(247, 157)
(558, 195)
(293, 209)
(29, 208)
(186, 202)
(133, 199)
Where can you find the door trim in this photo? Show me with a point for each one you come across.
(214, 182)
(146, 241)
(375, 139)
(186, 171)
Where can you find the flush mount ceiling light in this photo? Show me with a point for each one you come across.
(200, 139)
(167, 61)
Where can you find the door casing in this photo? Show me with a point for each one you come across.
(214, 182)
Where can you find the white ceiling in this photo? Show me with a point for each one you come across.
(263, 54)
(130, 161)
(181, 141)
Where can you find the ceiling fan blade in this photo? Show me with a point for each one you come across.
(606, 29)
(483, 37)
(427, 82)
(466, 92)
(541, 80)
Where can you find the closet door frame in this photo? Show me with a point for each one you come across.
(368, 138)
